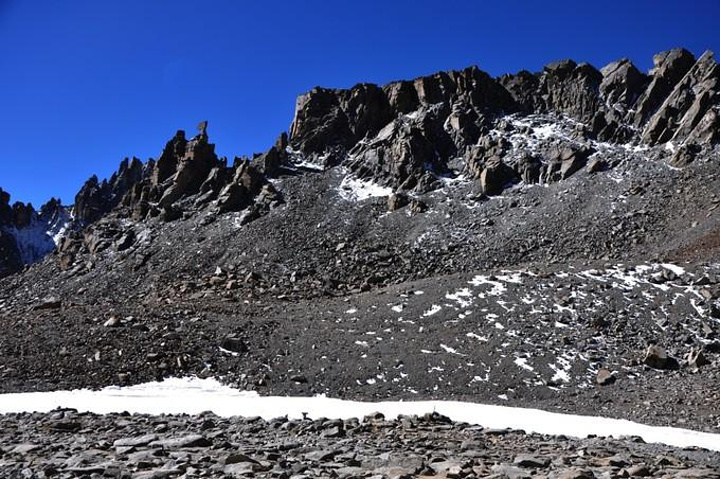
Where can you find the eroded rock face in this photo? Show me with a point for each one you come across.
(92, 201)
(622, 83)
(9, 255)
(167, 164)
(690, 110)
(326, 120)
(400, 154)
(409, 131)
(669, 68)
(187, 179)
(187, 171)
(448, 109)
(565, 162)
(191, 170)
(495, 176)
(571, 89)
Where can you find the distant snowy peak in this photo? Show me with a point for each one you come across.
(27, 235)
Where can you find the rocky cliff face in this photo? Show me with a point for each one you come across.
(186, 169)
(411, 137)
(186, 179)
(407, 134)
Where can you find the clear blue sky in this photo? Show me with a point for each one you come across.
(85, 83)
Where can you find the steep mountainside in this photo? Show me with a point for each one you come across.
(536, 239)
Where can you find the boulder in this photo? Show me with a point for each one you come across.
(496, 176)
(564, 162)
(696, 359)
(596, 165)
(605, 377)
(684, 155)
(397, 201)
(528, 167)
(657, 358)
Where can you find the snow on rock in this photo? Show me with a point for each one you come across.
(462, 296)
(522, 362)
(434, 309)
(304, 164)
(354, 189)
(298, 161)
(497, 287)
(450, 350)
(678, 270)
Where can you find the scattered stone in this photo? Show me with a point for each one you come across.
(605, 377)
(190, 441)
(531, 462)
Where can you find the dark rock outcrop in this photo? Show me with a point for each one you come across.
(570, 89)
(495, 176)
(407, 133)
(564, 163)
(669, 68)
(690, 111)
(186, 171)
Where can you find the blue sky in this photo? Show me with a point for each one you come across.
(86, 83)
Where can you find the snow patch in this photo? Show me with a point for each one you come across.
(497, 287)
(459, 297)
(450, 350)
(522, 362)
(434, 309)
(193, 396)
(304, 164)
(40, 238)
(678, 270)
(484, 339)
(354, 189)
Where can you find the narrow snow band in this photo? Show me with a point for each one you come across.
(193, 396)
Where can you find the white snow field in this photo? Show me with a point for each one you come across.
(193, 395)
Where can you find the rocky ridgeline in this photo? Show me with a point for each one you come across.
(395, 244)
(406, 134)
(188, 175)
(66, 444)
(412, 136)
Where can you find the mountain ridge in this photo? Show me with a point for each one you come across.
(407, 133)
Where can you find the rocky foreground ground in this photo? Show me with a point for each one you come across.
(65, 444)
